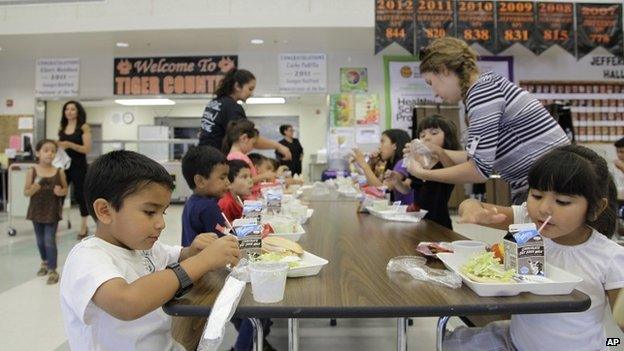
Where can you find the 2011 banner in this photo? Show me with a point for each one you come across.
(434, 19)
(394, 23)
(180, 75)
(599, 25)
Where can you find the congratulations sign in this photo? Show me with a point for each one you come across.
(184, 75)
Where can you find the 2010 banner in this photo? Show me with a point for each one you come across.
(179, 75)
(476, 23)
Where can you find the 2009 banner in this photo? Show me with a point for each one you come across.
(578, 28)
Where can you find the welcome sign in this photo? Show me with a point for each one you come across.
(179, 75)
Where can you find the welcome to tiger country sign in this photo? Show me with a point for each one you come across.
(178, 75)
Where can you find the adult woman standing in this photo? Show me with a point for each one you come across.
(75, 139)
(238, 84)
(296, 150)
(508, 129)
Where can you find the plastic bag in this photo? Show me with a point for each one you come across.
(62, 159)
(417, 268)
(419, 152)
(222, 311)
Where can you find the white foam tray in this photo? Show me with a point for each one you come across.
(391, 215)
(310, 265)
(558, 282)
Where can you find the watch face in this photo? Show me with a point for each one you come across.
(128, 117)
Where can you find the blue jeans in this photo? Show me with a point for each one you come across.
(46, 242)
(244, 341)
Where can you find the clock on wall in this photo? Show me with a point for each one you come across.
(128, 117)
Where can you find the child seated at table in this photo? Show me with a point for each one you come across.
(271, 171)
(114, 283)
(205, 170)
(572, 186)
(231, 203)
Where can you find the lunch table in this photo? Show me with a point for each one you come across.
(356, 284)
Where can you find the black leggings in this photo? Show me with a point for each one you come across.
(76, 175)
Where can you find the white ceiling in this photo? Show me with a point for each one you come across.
(188, 41)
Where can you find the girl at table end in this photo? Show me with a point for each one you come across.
(572, 186)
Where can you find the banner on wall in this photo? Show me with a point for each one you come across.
(57, 77)
(179, 75)
(394, 23)
(599, 25)
(554, 25)
(515, 21)
(434, 19)
(302, 73)
(476, 23)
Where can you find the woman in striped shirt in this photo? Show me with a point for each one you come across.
(508, 129)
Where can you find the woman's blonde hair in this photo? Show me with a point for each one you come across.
(451, 54)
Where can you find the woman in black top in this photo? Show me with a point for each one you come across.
(75, 139)
(296, 150)
(238, 84)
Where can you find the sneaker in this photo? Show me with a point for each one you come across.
(42, 271)
(53, 278)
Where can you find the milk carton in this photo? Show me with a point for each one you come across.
(248, 232)
(524, 249)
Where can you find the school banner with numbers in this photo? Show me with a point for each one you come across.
(476, 23)
(554, 25)
(599, 25)
(394, 23)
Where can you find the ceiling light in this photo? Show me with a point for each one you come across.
(121, 44)
(265, 100)
(144, 102)
(257, 41)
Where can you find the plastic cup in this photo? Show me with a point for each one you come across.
(268, 281)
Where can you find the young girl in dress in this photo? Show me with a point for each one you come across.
(46, 186)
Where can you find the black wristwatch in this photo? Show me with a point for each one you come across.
(185, 281)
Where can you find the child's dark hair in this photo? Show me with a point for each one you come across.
(118, 174)
(620, 143)
(284, 128)
(227, 84)
(200, 160)
(81, 119)
(451, 142)
(235, 130)
(256, 158)
(274, 163)
(42, 142)
(577, 170)
(235, 167)
(400, 138)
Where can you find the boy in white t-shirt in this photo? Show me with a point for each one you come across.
(114, 284)
(571, 190)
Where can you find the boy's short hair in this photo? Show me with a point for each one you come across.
(118, 174)
(256, 158)
(274, 163)
(620, 143)
(200, 160)
(235, 167)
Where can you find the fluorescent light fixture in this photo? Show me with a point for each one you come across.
(121, 44)
(144, 102)
(257, 41)
(265, 100)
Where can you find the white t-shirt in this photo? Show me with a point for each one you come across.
(600, 262)
(91, 263)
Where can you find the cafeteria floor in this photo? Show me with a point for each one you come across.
(31, 316)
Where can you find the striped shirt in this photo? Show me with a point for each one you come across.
(508, 130)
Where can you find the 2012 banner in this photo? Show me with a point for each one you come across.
(394, 23)
(179, 75)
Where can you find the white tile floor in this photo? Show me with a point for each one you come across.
(30, 316)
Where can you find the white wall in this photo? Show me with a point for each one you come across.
(312, 125)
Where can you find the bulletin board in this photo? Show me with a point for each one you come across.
(9, 125)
